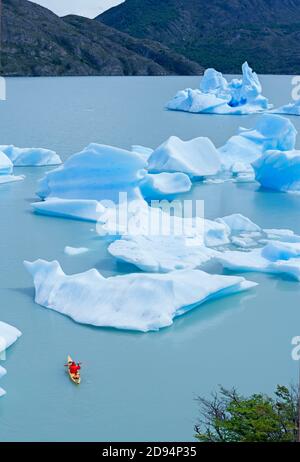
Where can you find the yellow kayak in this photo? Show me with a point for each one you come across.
(74, 377)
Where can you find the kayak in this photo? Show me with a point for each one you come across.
(74, 377)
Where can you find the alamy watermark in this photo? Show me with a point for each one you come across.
(296, 88)
(158, 218)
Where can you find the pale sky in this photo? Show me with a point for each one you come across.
(88, 8)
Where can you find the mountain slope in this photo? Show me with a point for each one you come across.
(218, 33)
(34, 41)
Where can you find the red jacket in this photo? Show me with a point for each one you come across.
(74, 368)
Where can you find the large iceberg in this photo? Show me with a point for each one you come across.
(278, 170)
(196, 158)
(99, 172)
(270, 132)
(30, 157)
(144, 302)
(8, 336)
(217, 96)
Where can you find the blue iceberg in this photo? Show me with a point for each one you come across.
(270, 132)
(278, 170)
(217, 96)
(30, 157)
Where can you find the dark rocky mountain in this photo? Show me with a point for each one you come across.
(218, 33)
(36, 42)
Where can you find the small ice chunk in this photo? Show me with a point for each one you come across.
(75, 250)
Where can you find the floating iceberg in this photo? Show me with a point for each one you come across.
(196, 158)
(270, 132)
(217, 96)
(279, 170)
(8, 336)
(164, 185)
(27, 157)
(290, 109)
(99, 172)
(144, 302)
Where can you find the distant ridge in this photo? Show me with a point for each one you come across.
(218, 33)
(36, 42)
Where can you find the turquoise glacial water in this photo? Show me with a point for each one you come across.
(135, 386)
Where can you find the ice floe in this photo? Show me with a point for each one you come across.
(143, 302)
(30, 157)
(196, 158)
(278, 170)
(217, 96)
(8, 336)
(161, 254)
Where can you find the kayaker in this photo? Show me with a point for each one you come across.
(74, 368)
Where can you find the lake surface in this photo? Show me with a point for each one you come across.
(135, 386)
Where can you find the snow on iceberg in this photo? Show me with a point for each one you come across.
(8, 336)
(144, 302)
(196, 158)
(164, 185)
(278, 170)
(30, 157)
(217, 96)
(270, 132)
(99, 172)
